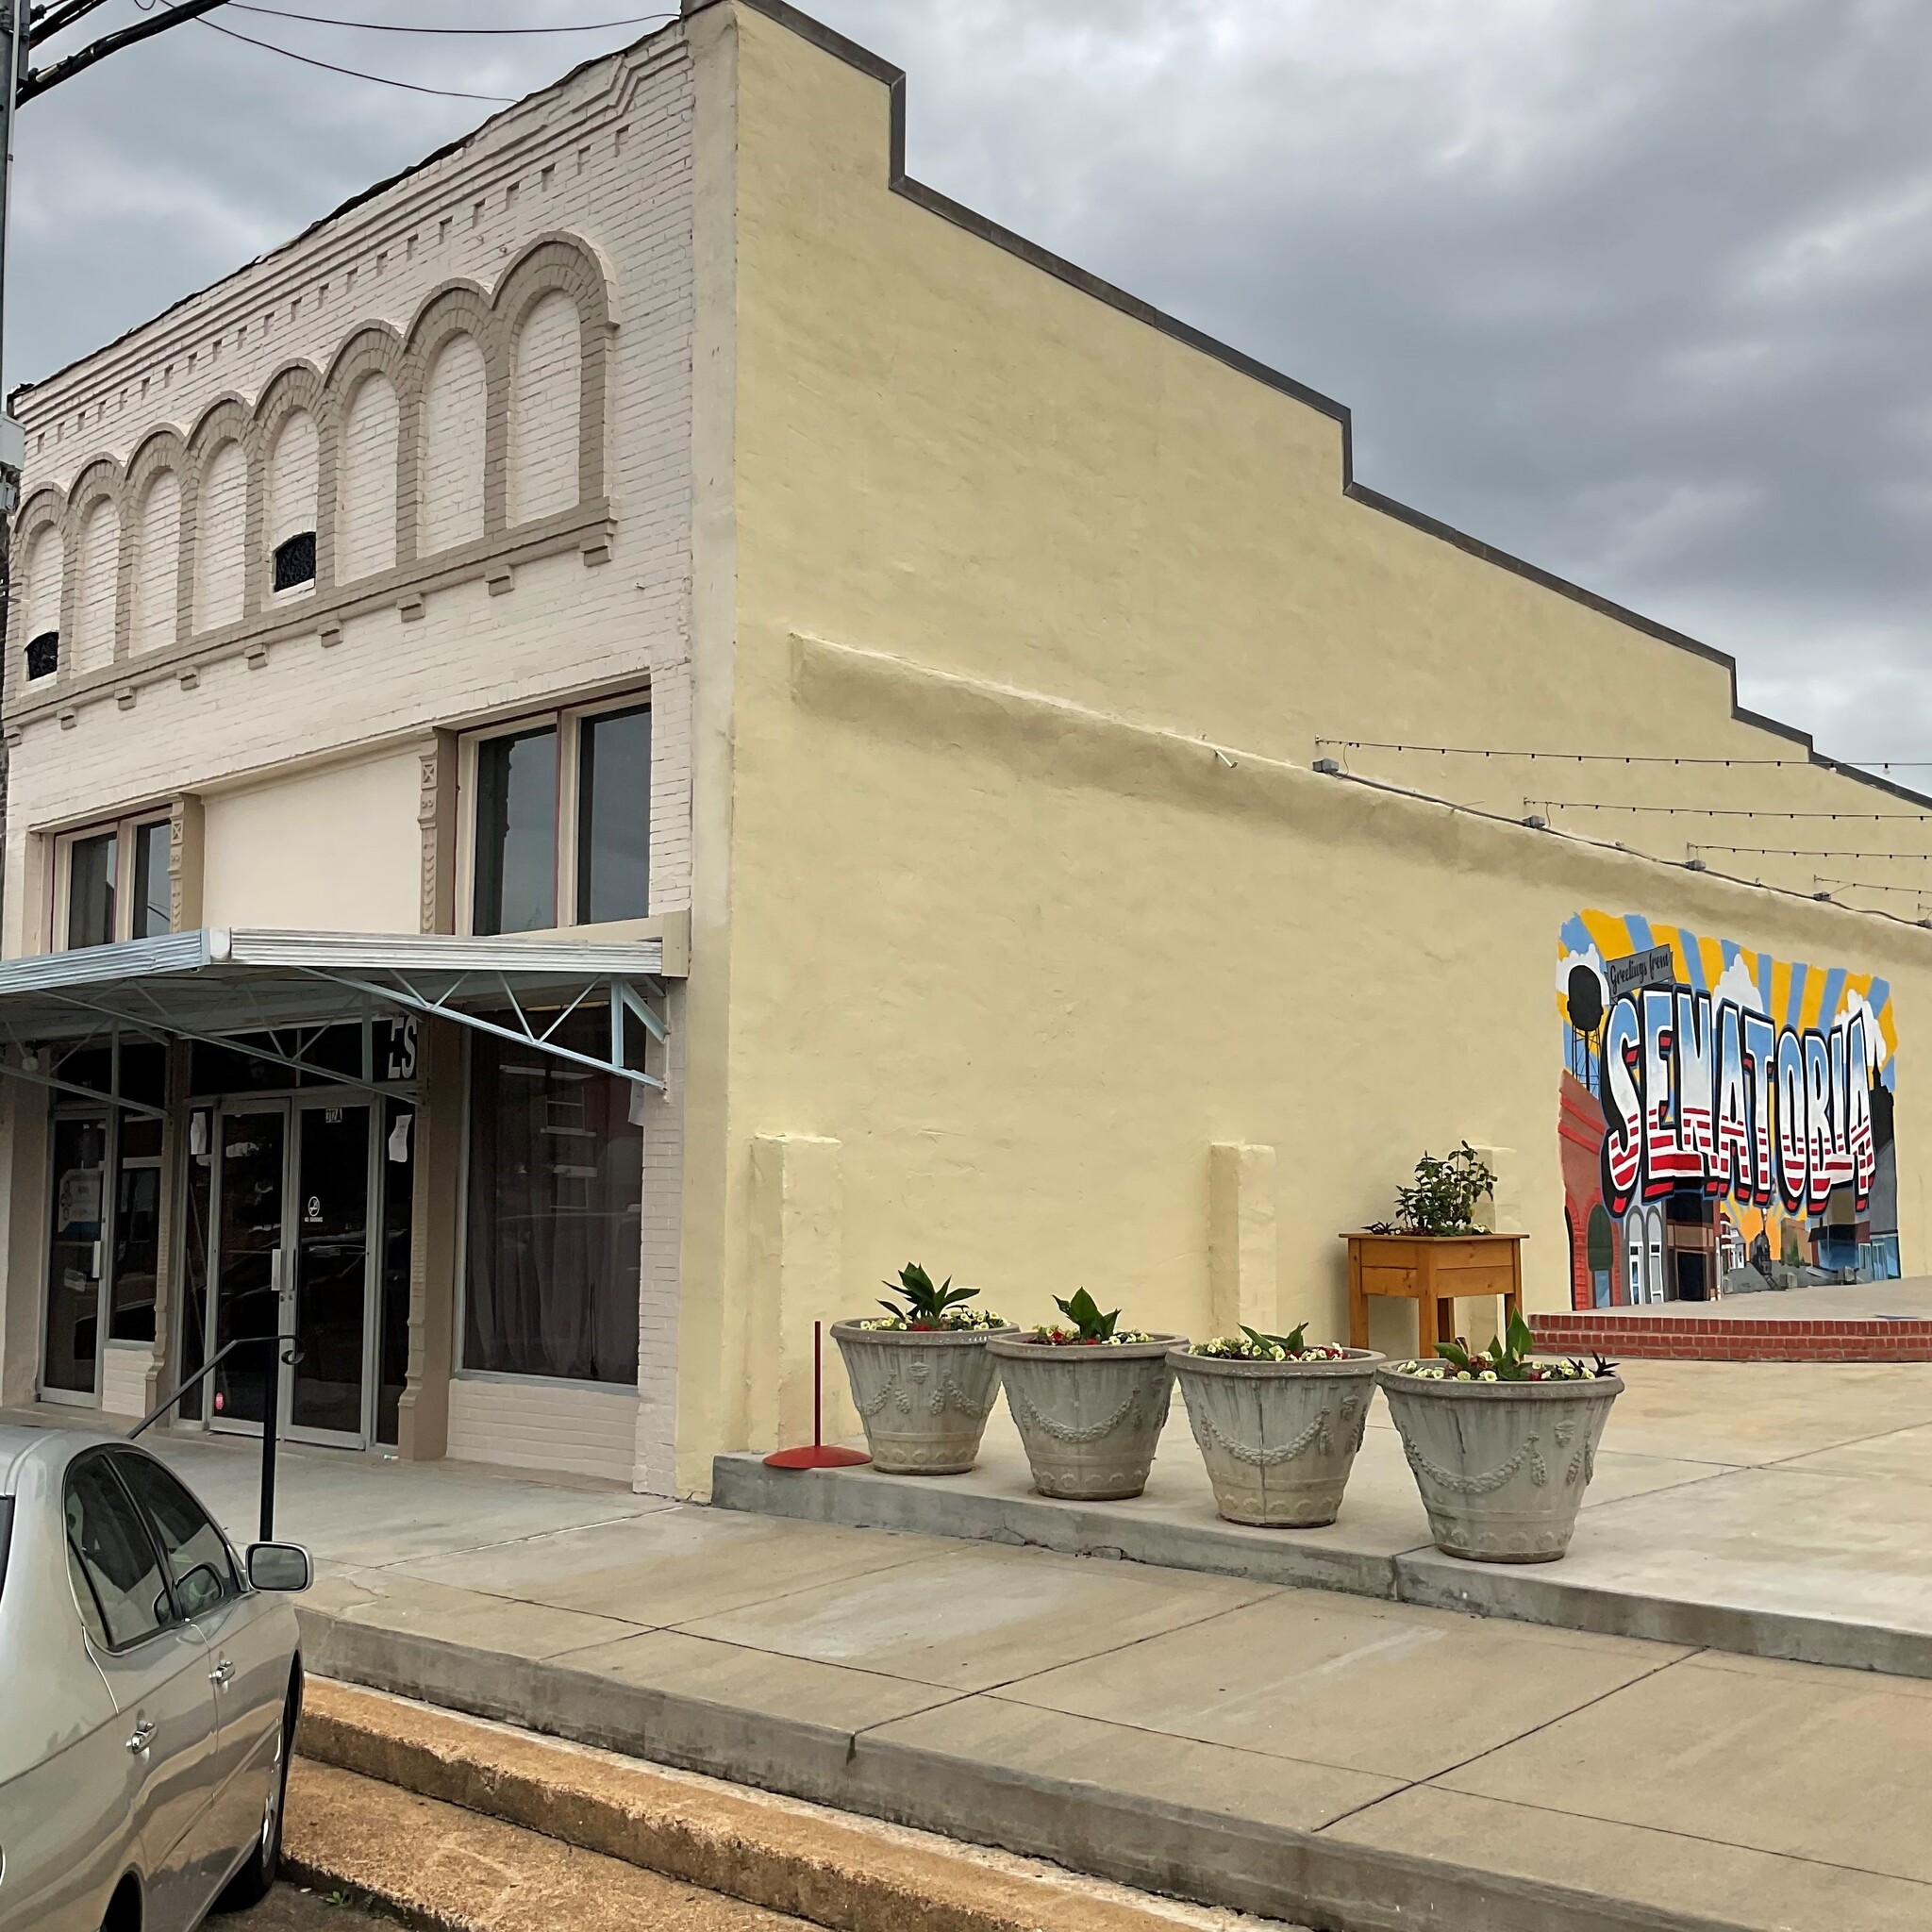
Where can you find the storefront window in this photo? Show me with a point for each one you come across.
(556, 1191)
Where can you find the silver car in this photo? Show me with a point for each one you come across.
(149, 1688)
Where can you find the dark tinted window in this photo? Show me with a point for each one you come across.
(6, 1536)
(614, 816)
(197, 1556)
(44, 654)
(555, 1200)
(116, 1557)
(152, 911)
(516, 833)
(91, 890)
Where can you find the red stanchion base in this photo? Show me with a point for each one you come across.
(816, 1456)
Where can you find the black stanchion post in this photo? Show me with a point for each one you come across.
(270, 1415)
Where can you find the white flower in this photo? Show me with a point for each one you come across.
(1487, 1376)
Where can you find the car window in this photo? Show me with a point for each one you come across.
(116, 1556)
(6, 1536)
(196, 1551)
(84, 1600)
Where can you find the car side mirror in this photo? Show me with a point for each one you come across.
(279, 1566)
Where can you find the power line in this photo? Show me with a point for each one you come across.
(383, 26)
(356, 72)
(1600, 757)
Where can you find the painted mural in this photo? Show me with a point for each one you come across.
(1726, 1117)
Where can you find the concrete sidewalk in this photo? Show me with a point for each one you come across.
(1772, 1509)
(1293, 1753)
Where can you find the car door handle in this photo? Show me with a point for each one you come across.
(142, 1736)
(222, 1673)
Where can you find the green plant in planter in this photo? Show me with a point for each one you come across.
(923, 1306)
(1446, 1191)
(1251, 1345)
(1505, 1360)
(1091, 1327)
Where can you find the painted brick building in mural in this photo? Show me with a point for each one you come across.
(1054, 820)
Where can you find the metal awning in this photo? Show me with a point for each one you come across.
(217, 983)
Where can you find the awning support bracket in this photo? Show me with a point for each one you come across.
(623, 998)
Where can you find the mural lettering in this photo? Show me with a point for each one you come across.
(1726, 1117)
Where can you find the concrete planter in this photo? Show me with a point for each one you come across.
(1501, 1466)
(1091, 1418)
(924, 1394)
(1278, 1438)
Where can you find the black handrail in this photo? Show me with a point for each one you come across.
(271, 1407)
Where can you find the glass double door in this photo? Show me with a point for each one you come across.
(292, 1254)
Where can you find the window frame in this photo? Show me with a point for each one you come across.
(125, 832)
(567, 720)
(175, 1619)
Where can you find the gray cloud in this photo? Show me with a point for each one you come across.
(1634, 289)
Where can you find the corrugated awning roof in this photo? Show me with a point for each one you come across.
(216, 983)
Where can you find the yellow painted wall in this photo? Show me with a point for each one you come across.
(329, 850)
(999, 923)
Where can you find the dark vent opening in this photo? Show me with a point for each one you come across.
(44, 654)
(295, 561)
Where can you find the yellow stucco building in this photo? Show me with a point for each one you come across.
(1055, 915)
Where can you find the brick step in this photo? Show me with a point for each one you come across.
(1706, 1338)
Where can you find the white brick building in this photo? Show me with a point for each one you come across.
(353, 594)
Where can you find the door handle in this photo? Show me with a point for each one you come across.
(222, 1673)
(142, 1736)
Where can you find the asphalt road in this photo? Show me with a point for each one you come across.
(286, 1909)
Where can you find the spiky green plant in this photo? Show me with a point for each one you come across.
(1082, 1311)
(920, 1303)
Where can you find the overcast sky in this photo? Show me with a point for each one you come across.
(1641, 289)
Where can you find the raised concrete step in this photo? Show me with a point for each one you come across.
(1157, 1845)
(477, 1822)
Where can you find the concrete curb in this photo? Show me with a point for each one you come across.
(1208, 1858)
(856, 1499)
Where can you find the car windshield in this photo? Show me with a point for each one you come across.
(6, 1536)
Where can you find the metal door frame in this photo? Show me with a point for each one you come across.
(76, 1109)
(292, 1106)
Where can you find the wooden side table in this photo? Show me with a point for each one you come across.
(1435, 1272)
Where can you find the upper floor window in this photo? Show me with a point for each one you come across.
(113, 883)
(560, 823)
(295, 561)
(44, 654)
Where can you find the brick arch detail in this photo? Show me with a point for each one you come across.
(161, 452)
(456, 309)
(373, 349)
(100, 481)
(296, 387)
(562, 262)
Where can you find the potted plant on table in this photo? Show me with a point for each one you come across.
(1502, 1444)
(1278, 1420)
(1434, 1253)
(1090, 1399)
(921, 1377)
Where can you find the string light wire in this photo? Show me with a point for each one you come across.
(1724, 811)
(1606, 758)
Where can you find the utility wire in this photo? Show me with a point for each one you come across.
(356, 72)
(383, 26)
(1600, 757)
